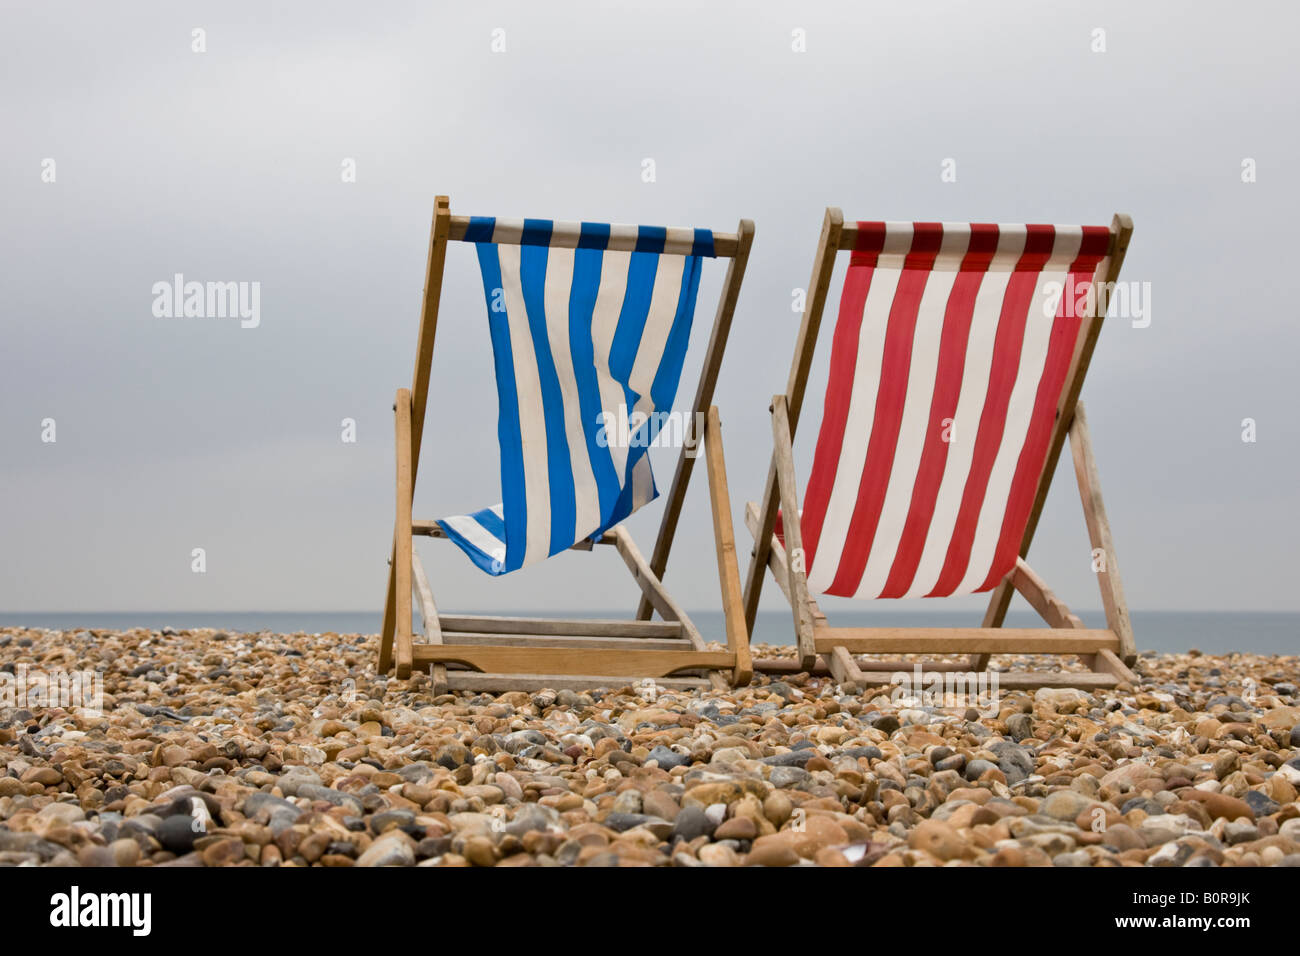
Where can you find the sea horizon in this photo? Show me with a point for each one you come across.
(1162, 631)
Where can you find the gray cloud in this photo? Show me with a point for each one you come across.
(175, 434)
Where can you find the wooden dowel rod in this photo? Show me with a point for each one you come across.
(725, 244)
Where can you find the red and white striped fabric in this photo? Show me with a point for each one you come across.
(950, 354)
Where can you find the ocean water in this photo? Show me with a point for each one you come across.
(1214, 632)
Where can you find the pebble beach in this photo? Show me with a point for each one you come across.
(226, 749)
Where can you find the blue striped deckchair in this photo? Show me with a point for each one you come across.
(590, 325)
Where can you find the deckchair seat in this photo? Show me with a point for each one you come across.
(946, 370)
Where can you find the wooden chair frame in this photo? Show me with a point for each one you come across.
(464, 652)
(1107, 652)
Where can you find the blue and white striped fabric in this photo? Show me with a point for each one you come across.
(586, 320)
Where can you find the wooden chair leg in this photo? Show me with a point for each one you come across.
(418, 397)
(999, 602)
(1108, 662)
(733, 605)
(389, 627)
(402, 543)
(429, 615)
(803, 620)
(843, 668)
(1094, 512)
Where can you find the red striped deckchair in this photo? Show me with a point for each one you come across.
(956, 365)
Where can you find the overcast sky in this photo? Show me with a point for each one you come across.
(175, 434)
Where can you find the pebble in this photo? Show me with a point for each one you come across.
(788, 778)
(938, 839)
(1261, 803)
(668, 759)
(771, 851)
(1240, 831)
(224, 851)
(659, 803)
(60, 814)
(354, 770)
(1015, 762)
(737, 828)
(622, 822)
(177, 833)
(1123, 837)
(1020, 726)
(718, 854)
(1161, 829)
(391, 849)
(1219, 804)
(692, 823)
(1065, 805)
(125, 852)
